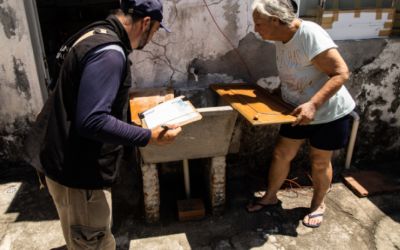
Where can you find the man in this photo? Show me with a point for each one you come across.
(312, 75)
(86, 121)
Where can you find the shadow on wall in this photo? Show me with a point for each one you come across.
(256, 60)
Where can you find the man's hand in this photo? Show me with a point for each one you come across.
(305, 113)
(164, 135)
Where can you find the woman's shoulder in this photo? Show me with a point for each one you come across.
(313, 31)
(310, 26)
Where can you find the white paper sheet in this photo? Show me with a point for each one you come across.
(175, 111)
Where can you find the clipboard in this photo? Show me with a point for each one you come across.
(255, 104)
(144, 99)
(179, 111)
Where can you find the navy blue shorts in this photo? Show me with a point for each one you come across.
(326, 136)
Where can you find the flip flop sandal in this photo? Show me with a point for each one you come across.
(310, 216)
(264, 207)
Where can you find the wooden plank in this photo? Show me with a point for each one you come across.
(327, 26)
(144, 99)
(327, 22)
(385, 32)
(327, 19)
(255, 103)
(358, 189)
(388, 25)
(378, 14)
(191, 209)
(366, 183)
(390, 11)
(335, 16)
(357, 7)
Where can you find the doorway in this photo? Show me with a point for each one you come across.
(59, 19)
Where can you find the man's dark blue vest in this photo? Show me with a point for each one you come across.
(65, 156)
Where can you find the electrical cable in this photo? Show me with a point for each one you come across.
(229, 41)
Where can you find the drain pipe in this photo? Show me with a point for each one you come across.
(353, 135)
(186, 177)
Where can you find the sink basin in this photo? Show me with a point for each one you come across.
(208, 137)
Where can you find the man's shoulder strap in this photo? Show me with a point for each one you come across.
(74, 40)
(71, 43)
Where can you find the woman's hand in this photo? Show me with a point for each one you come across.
(305, 113)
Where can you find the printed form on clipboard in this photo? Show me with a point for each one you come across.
(176, 111)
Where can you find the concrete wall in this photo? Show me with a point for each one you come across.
(375, 84)
(20, 92)
(197, 43)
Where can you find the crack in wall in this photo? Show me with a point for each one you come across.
(164, 58)
(214, 2)
(174, 16)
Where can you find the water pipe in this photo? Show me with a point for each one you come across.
(353, 135)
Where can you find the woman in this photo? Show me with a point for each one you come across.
(312, 74)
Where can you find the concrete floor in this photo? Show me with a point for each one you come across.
(28, 221)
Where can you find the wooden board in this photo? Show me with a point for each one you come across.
(365, 183)
(191, 209)
(144, 99)
(255, 103)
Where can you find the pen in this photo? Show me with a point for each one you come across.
(165, 127)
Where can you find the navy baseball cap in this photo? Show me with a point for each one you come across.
(151, 8)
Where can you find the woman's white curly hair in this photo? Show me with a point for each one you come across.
(281, 9)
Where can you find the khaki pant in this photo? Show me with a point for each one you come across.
(85, 216)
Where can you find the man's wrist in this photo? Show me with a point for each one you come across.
(149, 135)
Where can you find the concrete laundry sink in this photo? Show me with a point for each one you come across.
(209, 137)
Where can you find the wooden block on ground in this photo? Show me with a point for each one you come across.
(365, 183)
(191, 209)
